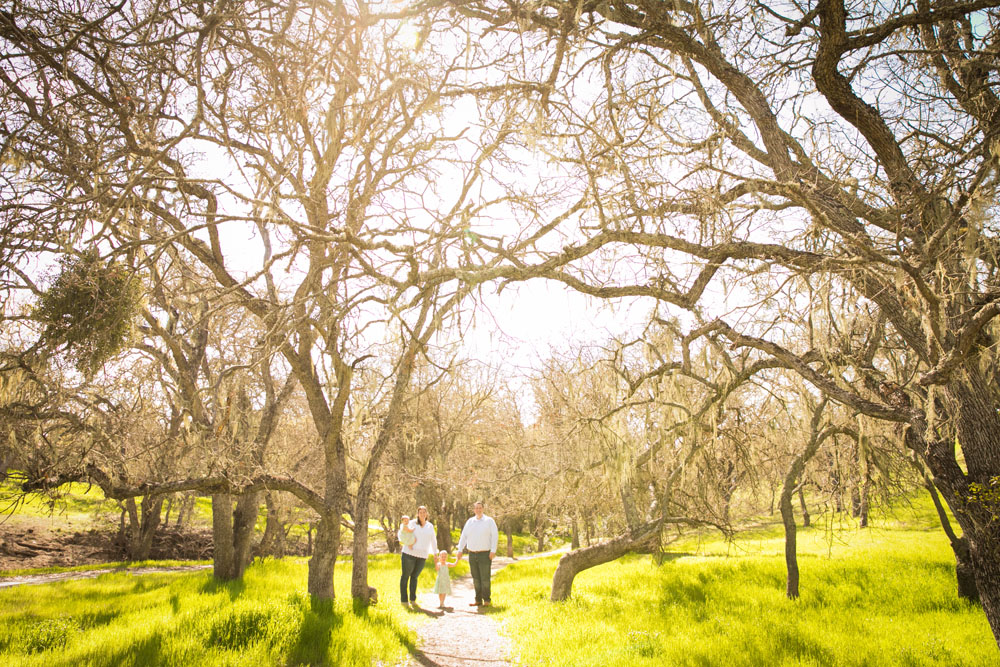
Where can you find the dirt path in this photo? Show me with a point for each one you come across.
(50, 577)
(461, 634)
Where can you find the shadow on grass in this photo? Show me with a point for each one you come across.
(96, 618)
(234, 588)
(147, 651)
(667, 556)
(494, 608)
(315, 635)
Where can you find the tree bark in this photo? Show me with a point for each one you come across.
(360, 590)
(866, 485)
(142, 526)
(971, 494)
(574, 533)
(223, 557)
(389, 531)
(805, 508)
(167, 509)
(791, 560)
(244, 522)
(540, 526)
(324, 556)
(785, 503)
(444, 529)
(964, 575)
(273, 542)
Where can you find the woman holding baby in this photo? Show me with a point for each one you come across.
(419, 541)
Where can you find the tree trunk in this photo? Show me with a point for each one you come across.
(577, 561)
(837, 487)
(142, 526)
(863, 508)
(324, 556)
(866, 484)
(970, 494)
(273, 542)
(360, 590)
(785, 503)
(151, 507)
(540, 527)
(791, 560)
(223, 558)
(444, 530)
(184, 511)
(166, 511)
(389, 531)
(132, 536)
(244, 522)
(574, 542)
(964, 575)
(805, 508)
(984, 552)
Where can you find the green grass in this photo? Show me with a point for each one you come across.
(878, 596)
(73, 501)
(187, 619)
(882, 596)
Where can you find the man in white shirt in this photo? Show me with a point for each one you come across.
(479, 537)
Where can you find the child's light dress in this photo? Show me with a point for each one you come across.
(443, 582)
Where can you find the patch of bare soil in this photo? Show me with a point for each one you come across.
(36, 544)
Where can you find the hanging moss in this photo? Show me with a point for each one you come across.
(90, 309)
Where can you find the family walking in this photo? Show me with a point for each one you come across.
(479, 537)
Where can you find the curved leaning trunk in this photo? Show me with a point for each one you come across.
(577, 561)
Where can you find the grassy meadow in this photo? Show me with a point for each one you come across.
(189, 619)
(878, 596)
(72, 503)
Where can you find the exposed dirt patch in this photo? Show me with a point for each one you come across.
(38, 543)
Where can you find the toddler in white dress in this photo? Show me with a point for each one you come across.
(442, 586)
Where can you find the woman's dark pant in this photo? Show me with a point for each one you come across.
(412, 567)
(479, 565)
